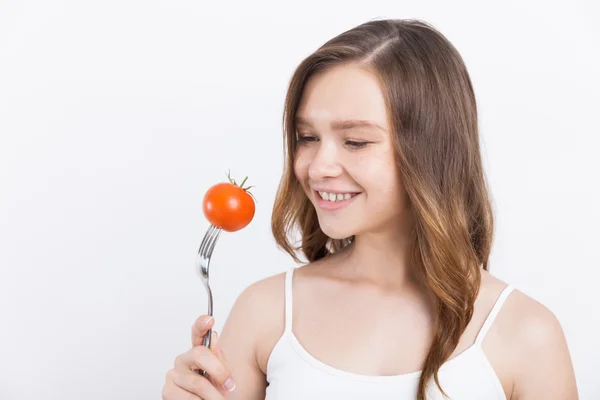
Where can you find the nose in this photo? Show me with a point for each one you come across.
(325, 164)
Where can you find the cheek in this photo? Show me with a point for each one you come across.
(393, 191)
(371, 170)
(301, 164)
(379, 176)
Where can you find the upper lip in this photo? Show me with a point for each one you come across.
(335, 191)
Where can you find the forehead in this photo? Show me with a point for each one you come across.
(344, 92)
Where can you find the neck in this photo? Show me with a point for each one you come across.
(383, 259)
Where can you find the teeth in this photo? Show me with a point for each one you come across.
(335, 196)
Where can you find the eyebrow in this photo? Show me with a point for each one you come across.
(343, 125)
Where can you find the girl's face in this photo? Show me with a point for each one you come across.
(345, 158)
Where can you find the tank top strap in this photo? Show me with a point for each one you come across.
(493, 314)
(289, 275)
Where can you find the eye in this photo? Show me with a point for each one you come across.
(356, 145)
(306, 139)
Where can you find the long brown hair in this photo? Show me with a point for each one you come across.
(433, 115)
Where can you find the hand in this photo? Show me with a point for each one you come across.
(184, 382)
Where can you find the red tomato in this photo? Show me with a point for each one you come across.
(228, 206)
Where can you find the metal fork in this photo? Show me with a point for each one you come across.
(202, 264)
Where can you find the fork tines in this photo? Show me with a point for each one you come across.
(208, 242)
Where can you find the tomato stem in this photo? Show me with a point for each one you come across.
(230, 179)
(246, 189)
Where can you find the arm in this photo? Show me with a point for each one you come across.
(239, 341)
(543, 365)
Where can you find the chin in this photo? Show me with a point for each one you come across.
(337, 233)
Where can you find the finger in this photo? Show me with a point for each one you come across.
(173, 392)
(215, 347)
(200, 328)
(191, 382)
(200, 357)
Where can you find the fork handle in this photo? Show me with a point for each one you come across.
(206, 343)
(207, 338)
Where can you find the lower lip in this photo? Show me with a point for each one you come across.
(333, 205)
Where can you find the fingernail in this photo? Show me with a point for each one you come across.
(229, 385)
(207, 320)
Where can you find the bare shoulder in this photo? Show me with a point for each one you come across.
(535, 330)
(260, 307)
(262, 293)
(523, 312)
(257, 318)
(538, 354)
(528, 320)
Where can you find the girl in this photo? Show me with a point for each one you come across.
(385, 185)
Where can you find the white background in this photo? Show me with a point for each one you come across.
(116, 116)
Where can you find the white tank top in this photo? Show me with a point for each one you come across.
(294, 374)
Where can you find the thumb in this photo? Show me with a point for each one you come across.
(200, 328)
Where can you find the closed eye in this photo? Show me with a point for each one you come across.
(356, 145)
(353, 144)
(306, 139)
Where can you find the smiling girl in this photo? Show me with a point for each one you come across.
(384, 184)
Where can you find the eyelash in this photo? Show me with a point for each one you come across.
(353, 144)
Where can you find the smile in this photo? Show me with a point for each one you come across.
(333, 201)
